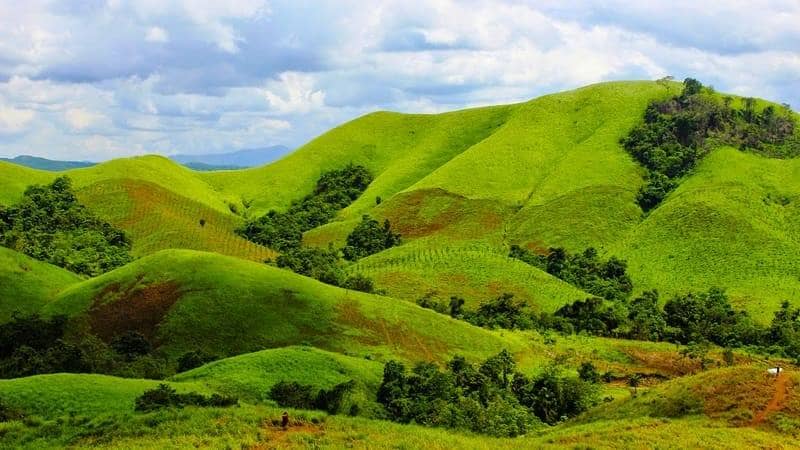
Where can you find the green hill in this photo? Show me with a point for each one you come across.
(26, 284)
(185, 300)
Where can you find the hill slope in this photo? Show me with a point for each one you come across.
(184, 300)
(26, 284)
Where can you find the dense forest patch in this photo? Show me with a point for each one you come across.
(50, 225)
(677, 133)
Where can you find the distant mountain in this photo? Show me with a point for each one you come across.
(240, 158)
(47, 164)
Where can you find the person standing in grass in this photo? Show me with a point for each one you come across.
(285, 419)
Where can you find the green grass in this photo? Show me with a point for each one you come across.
(732, 224)
(27, 284)
(55, 395)
(228, 306)
(249, 377)
(475, 273)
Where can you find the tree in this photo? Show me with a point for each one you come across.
(587, 372)
(131, 344)
(369, 237)
(645, 317)
(633, 381)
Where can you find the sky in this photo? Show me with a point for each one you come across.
(100, 79)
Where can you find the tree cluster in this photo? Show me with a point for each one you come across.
(292, 394)
(369, 237)
(165, 396)
(33, 345)
(49, 224)
(606, 279)
(490, 398)
(334, 190)
(678, 132)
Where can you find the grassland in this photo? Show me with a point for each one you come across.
(26, 284)
(460, 187)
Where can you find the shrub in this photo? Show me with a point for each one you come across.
(194, 359)
(131, 344)
(165, 396)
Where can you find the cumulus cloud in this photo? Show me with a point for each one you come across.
(112, 78)
(156, 34)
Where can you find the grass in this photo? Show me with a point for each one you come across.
(228, 306)
(731, 225)
(250, 377)
(26, 284)
(473, 272)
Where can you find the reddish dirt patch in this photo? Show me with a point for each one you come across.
(778, 399)
(396, 335)
(669, 364)
(116, 310)
(275, 436)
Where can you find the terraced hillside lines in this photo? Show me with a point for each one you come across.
(157, 219)
(475, 272)
(27, 284)
(399, 150)
(732, 224)
(250, 376)
(229, 306)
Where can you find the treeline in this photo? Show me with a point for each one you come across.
(50, 225)
(677, 133)
(606, 279)
(33, 345)
(283, 231)
(489, 398)
(693, 318)
(164, 396)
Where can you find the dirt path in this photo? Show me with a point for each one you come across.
(776, 404)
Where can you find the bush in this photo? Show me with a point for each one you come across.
(292, 394)
(130, 345)
(359, 282)
(165, 396)
(194, 359)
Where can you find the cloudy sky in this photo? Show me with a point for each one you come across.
(97, 79)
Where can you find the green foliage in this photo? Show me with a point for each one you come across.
(165, 396)
(131, 345)
(607, 279)
(304, 396)
(368, 238)
(50, 225)
(334, 190)
(592, 316)
(491, 398)
(588, 372)
(194, 359)
(674, 135)
(645, 318)
(502, 312)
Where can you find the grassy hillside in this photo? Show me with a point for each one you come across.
(57, 395)
(27, 284)
(732, 224)
(250, 376)
(475, 273)
(186, 300)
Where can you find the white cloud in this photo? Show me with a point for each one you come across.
(80, 119)
(156, 34)
(294, 93)
(14, 120)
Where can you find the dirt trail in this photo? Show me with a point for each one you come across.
(776, 404)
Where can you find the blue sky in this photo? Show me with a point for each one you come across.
(98, 79)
